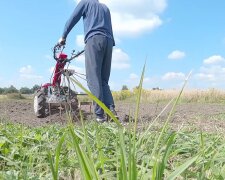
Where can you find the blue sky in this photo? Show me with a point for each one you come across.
(174, 37)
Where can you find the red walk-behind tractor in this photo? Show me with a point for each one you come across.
(57, 95)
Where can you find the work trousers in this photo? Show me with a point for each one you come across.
(98, 57)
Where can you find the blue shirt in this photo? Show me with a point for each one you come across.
(96, 18)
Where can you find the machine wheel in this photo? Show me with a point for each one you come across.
(39, 104)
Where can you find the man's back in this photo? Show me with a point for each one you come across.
(96, 17)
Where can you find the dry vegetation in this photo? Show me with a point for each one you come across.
(188, 96)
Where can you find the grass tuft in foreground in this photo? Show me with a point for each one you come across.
(26, 153)
(110, 151)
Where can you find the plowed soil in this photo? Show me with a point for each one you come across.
(206, 117)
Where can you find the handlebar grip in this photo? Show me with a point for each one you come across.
(58, 48)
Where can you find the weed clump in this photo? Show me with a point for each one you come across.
(16, 96)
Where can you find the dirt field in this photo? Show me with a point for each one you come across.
(207, 117)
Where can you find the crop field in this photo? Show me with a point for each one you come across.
(163, 136)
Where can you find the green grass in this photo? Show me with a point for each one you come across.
(13, 96)
(33, 153)
(110, 150)
(3, 97)
(16, 96)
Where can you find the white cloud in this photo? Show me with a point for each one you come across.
(77, 69)
(120, 60)
(132, 80)
(117, 40)
(173, 76)
(137, 7)
(27, 72)
(175, 55)
(147, 80)
(205, 77)
(30, 76)
(133, 76)
(129, 25)
(213, 69)
(212, 73)
(214, 59)
(51, 69)
(80, 41)
(48, 57)
(113, 86)
(80, 58)
(26, 69)
(134, 17)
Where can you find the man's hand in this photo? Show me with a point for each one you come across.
(62, 41)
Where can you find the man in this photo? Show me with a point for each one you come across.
(99, 41)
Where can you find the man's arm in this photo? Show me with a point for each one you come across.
(75, 17)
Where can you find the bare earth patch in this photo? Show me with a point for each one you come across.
(206, 117)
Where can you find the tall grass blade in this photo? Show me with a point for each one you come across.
(87, 143)
(85, 136)
(162, 164)
(156, 145)
(139, 98)
(55, 170)
(145, 133)
(158, 140)
(94, 98)
(123, 159)
(99, 149)
(58, 150)
(87, 168)
(50, 159)
(182, 168)
(132, 168)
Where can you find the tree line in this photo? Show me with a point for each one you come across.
(22, 90)
(26, 90)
